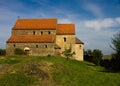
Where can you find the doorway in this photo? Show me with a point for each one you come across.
(27, 50)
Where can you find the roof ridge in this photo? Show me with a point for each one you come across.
(35, 18)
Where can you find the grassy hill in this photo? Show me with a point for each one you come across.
(53, 71)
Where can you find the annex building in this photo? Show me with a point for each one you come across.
(43, 37)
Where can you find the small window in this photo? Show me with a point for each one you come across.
(64, 39)
(80, 46)
(36, 46)
(14, 45)
(41, 33)
(46, 46)
(49, 32)
(33, 32)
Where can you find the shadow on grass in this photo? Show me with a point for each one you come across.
(104, 70)
(109, 71)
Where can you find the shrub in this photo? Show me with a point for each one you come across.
(2, 52)
(19, 51)
(94, 56)
(97, 56)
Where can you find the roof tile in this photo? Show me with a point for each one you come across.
(66, 29)
(31, 39)
(35, 24)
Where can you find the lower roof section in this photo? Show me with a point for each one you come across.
(31, 39)
(78, 41)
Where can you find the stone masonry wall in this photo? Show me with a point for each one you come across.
(33, 32)
(79, 52)
(36, 49)
(65, 41)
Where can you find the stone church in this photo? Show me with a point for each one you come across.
(43, 37)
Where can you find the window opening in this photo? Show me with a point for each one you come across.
(14, 45)
(36, 46)
(80, 46)
(41, 33)
(33, 32)
(46, 46)
(64, 39)
(49, 32)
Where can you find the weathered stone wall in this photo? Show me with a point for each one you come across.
(65, 41)
(79, 52)
(33, 32)
(36, 49)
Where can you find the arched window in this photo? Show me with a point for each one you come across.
(64, 39)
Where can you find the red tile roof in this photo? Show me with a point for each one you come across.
(31, 39)
(35, 24)
(78, 41)
(65, 29)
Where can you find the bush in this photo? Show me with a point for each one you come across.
(115, 62)
(94, 56)
(2, 52)
(106, 63)
(88, 58)
(19, 51)
(97, 56)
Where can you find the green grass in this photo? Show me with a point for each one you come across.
(15, 80)
(53, 71)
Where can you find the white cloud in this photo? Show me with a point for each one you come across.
(102, 23)
(118, 19)
(96, 34)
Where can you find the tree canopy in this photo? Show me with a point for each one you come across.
(115, 61)
(116, 43)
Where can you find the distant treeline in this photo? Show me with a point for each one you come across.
(2, 52)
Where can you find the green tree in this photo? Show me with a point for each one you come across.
(115, 61)
(116, 44)
(88, 52)
(68, 52)
(2, 52)
(88, 55)
(97, 56)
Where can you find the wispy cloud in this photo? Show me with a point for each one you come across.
(94, 8)
(102, 23)
(97, 33)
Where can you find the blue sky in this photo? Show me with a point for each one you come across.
(95, 20)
